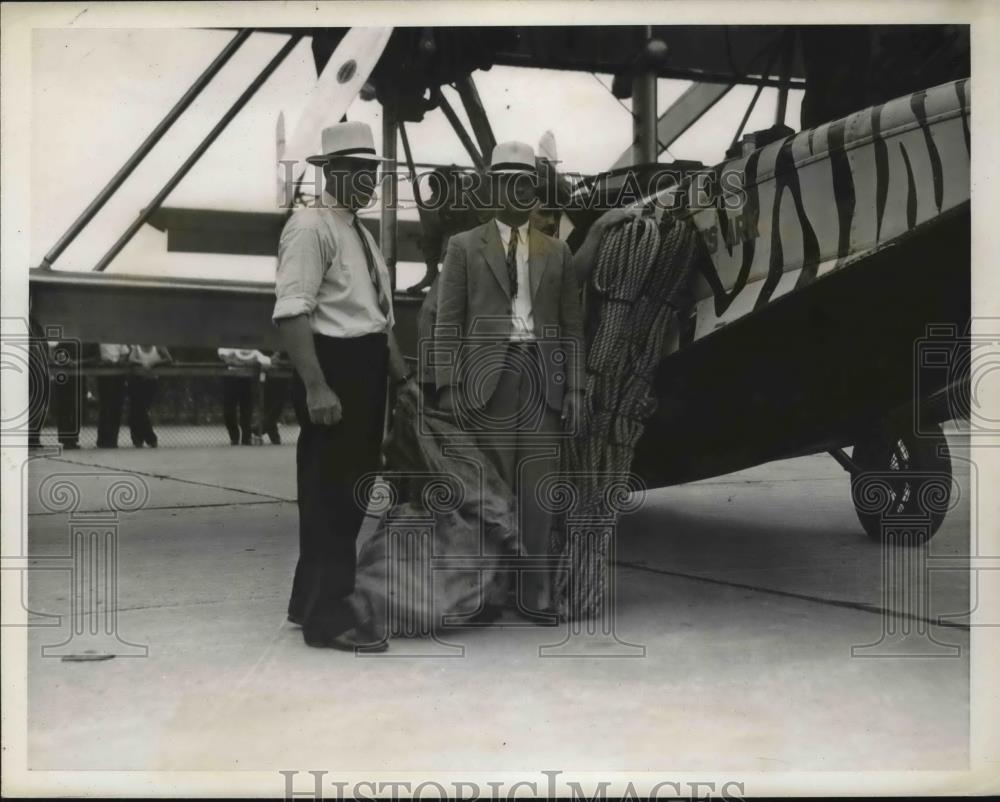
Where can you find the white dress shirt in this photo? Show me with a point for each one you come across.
(113, 353)
(522, 317)
(243, 356)
(323, 273)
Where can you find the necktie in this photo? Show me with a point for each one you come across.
(512, 262)
(383, 300)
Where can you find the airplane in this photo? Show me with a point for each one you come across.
(817, 302)
(809, 308)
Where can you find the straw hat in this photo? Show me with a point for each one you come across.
(512, 158)
(351, 140)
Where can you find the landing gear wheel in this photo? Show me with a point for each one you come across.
(914, 479)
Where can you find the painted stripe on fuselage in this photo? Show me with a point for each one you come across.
(917, 103)
(786, 175)
(881, 169)
(854, 183)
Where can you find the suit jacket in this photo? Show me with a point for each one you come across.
(474, 325)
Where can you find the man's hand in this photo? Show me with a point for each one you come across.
(324, 406)
(571, 408)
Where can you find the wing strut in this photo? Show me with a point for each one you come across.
(143, 150)
(199, 151)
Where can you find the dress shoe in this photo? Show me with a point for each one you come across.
(356, 639)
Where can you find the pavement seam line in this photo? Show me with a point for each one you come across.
(168, 478)
(862, 606)
(179, 506)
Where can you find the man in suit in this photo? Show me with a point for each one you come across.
(509, 350)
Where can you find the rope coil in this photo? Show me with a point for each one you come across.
(640, 269)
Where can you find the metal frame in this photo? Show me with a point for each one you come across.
(476, 113)
(459, 129)
(684, 112)
(232, 313)
(148, 144)
(388, 220)
(199, 151)
(129, 308)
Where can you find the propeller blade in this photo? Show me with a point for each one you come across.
(345, 73)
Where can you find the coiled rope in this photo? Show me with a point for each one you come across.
(641, 269)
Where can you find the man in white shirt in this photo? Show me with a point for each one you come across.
(239, 392)
(334, 314)
(111, 395)
(509, 347)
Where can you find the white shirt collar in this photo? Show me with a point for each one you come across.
(522, 231)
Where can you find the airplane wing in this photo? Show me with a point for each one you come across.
(345, 73)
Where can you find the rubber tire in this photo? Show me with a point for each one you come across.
(891, 451)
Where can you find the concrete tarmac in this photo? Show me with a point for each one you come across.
(738, 602)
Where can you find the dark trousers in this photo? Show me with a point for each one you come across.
(275, 397)
(68, 399)
(39, 382)
(141, 392)
(329, 462)
(110, 398)
(238, 394)
(520, 436)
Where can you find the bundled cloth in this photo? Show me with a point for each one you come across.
(446, 519)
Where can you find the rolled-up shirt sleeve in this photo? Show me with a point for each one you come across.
(303, 257)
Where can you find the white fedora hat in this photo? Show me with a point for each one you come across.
(513, 157)
(351, 140)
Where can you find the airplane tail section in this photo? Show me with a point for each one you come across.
(547, 147)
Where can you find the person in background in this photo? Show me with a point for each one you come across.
(142, 391)
(111, 395)
(454, 205)
(38, 380)
(276, 395)
(553, 196)
(68, 390)
(239, 393)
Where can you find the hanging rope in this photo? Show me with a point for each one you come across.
(641, 268)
